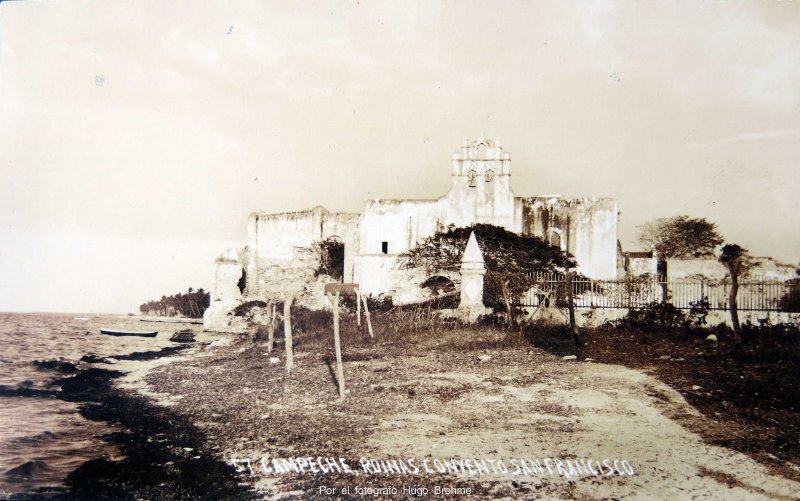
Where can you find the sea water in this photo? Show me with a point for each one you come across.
(42, 439)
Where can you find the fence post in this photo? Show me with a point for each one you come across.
(571, 307)
(271, 326)
(369, 321)
(287, 330)
(337, 344)
(358, 307)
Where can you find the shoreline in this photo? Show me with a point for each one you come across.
(163, 455)
(465, 393)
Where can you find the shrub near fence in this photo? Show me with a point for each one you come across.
(635, 292)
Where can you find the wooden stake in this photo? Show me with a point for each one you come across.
(366, 313)
(337, 343)
(571, 307)
(358, 307)
(271, 327)
(287, 330)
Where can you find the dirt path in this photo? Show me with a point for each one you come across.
(518, 405)
(579, 410)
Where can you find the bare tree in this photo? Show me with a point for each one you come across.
(738, 261)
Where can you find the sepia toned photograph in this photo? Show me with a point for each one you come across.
(354, 249)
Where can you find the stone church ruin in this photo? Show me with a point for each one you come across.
(286, 248)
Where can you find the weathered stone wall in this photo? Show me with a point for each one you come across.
(379, 274)
(769, 269)
(588, 317)
(639, 263)
(689, 269)
(399, 223)
(281, 247)
(586, 227)
(228, 269)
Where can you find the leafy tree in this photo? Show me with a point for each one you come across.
(738, 261)
(510, 259)
(681, 237)
(503, 250)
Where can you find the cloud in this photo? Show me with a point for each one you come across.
(792, 135)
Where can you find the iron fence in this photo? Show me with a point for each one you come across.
(754, 294)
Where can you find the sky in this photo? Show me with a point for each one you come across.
(137, 136)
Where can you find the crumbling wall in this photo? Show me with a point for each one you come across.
(228, 269)
(380, 275)
(770, 269)
(639, 263)
(401, 224)
(282, 247)
(690, 269)
(694, 269)
(586, 227)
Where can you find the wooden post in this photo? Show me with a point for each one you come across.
(271, 327)
(287, 330)
(358, 307)
(571, 307)
(366, 313)
(733, 307)
(337, 344)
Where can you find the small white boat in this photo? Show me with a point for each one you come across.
(82, 319)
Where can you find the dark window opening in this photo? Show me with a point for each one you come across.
(385, 247)
(439, 285)
(331, 258)
(555, 239)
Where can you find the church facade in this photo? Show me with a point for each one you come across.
(280, 247)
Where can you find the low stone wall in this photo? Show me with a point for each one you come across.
(766, 269)
(594, 317)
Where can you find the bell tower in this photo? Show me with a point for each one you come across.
(480, 163)
(482, 181)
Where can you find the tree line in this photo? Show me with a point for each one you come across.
(191, 304)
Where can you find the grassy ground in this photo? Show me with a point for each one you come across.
(419, 389)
